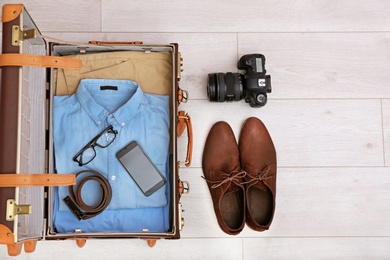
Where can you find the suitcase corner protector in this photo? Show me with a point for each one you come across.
(6, 235)
(11, 12)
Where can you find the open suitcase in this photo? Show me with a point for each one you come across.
(29, 180)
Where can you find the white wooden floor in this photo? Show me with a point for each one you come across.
(328, 114)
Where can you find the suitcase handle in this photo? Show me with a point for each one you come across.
(185, 121)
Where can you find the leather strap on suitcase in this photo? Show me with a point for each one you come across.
(16, 59)
(23, 180)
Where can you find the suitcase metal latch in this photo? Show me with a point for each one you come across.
(18, 35)
(184, 187)
(13, 209)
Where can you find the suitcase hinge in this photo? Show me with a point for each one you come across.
(18, 35)
(181, 219)
(13, 209)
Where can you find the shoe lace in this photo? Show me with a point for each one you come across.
(259, 175)
(233, 176)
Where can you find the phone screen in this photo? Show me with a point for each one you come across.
(140, 168)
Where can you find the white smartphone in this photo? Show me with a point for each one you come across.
(144, 173)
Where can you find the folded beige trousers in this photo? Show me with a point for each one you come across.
(152, 71)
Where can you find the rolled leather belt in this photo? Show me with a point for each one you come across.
(75, 202)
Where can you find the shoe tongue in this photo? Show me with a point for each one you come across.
(250, 178)
(233, 188)
(227, 186)
(259, 185)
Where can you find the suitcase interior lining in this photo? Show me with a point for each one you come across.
(64, 50)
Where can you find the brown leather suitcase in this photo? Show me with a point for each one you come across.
(27, 176)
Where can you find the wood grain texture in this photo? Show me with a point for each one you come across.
(71, 15)
(323, 65)
(386, 129)
(137, 249)
(306, 133)
(316, 248)
(251, 16)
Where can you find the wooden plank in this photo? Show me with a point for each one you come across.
(323, 65)
(306, 133)
(251, 16)
(72, 15)
(386, 129)
(310, 202)
(136, 249)
(316, 248)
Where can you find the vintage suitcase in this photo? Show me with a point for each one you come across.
(27, 173)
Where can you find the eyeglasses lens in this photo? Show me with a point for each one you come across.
(87, 155)
(106, 139)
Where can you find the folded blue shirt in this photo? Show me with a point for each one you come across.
(137, 117)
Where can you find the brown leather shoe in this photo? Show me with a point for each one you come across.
(222, 171)
(258, 160)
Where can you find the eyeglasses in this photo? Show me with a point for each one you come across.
(102, 140)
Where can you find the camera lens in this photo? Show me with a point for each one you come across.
(212, 88)
(225, 87)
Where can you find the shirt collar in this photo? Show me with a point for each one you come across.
(100, 114)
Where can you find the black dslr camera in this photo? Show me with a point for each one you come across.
(253, 86)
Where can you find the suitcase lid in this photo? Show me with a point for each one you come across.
(22, 126)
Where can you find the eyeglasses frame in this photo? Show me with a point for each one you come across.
(93, 143)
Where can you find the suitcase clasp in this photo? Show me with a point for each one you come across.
(184, 187)
(13, 209)
(182, 96)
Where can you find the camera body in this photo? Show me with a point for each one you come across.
(253, 85)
